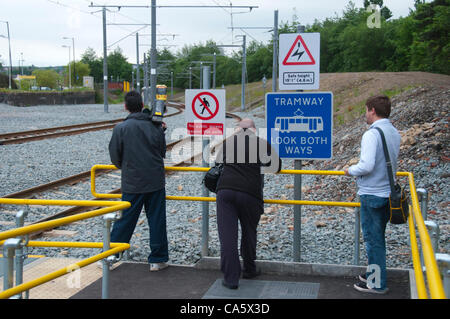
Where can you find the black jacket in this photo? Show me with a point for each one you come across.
(244, 155)
(138, 147)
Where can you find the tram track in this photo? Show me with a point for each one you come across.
(53, 132)
(84, 176)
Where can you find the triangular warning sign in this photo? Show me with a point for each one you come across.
(299, 54)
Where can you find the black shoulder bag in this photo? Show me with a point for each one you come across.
(212, 177)
(398, 202)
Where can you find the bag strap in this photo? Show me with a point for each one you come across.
(388, 160)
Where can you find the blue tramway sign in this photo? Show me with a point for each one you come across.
(300, 125)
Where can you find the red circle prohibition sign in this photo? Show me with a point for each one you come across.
(210, 114)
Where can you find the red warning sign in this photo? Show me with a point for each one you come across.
(205, 112)
(205, 106)
(299, 54)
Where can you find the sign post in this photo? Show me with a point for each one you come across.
(205, 116)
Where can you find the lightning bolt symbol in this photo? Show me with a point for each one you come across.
(297, 53)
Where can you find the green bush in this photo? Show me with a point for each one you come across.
(4, 82)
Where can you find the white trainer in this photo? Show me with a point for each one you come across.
(111, 266)
(158, 266)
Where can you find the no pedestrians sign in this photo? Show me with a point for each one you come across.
(205, 112)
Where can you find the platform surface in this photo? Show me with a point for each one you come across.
(135, 281)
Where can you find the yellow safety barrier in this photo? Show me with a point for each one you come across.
(111, 206)
(434, 280)
(115, 248)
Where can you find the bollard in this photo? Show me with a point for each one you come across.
(443, 262)
(108, 218)
(9, 247)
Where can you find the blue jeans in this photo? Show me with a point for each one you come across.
(155, 209)
(374, 217)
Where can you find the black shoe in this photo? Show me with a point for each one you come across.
(229, 286)
(363, 278)
(361, 286)
(250, 275)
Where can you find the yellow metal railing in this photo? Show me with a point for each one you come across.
(433, 277)
(107, 207)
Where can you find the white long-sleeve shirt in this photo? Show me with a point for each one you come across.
(371, 171)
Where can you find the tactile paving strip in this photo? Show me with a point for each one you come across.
(261, 289)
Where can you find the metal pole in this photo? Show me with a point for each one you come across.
(153, 64)
(422, 194)
(10, 60)
(108, 218)
(70, 74)
(171, 85)
(22, 60)
(201, 76)
(190, 77)
(205, 149)
(443, 262)
(21, 254)
(74, 66)
(433, 231)
(146, 82)
(297, 208)
(275, 51)
(214, 70)
(297, 212)
(356, 236)
(132, 79)
(105, 65)
(138, 75)
(9, 247)
(243, 72)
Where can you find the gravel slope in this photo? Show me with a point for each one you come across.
(327, 233)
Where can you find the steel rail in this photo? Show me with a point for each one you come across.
(53, 132)
(84, 175)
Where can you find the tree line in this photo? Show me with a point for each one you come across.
(349, 43)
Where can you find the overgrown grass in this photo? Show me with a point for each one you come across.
(354, 111)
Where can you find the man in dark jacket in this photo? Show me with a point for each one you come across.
(138, 147)
(240, 198)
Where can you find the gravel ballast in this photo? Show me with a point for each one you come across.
(326, 233)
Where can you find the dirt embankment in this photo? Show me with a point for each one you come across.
(421, 114)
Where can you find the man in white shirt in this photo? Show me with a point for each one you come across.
(374, 190)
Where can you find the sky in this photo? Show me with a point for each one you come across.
(37, 27)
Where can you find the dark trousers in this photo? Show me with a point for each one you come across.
(155, 209)
(234, 206)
